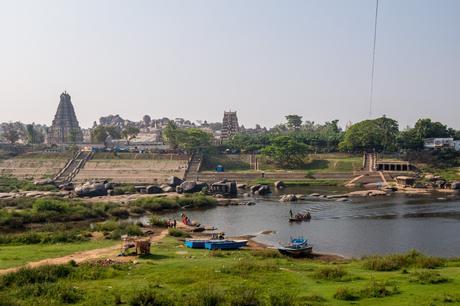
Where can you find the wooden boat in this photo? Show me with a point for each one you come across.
(298, 247)
(225, 244)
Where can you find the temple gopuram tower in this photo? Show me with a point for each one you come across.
(65, 128)
(229, 125)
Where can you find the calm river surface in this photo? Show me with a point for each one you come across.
(364, 226)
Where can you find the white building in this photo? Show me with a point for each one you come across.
(439, 143)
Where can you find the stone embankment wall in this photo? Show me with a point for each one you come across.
(31, 168)
(136, 171)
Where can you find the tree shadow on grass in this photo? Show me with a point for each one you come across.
(154, 256)
(317, 164)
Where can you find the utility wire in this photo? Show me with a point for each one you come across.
(373, 58)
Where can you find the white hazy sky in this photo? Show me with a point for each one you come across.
(263, 58)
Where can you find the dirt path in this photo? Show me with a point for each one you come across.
(109, 252)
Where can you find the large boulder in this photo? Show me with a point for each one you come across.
(140, 189)
(152, 189)
(67, 186)
(174, 181)
(167, 188)
(44, 182)
(255, 188)
(455, 185)
(191, 187)
(288, 198)
(91, 190)
(263, 190)
(279, 185)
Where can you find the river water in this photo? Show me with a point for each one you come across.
(365, 226)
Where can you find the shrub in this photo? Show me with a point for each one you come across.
(429, 262)
(374, 289)
(377, 289)
(25, 276)
(154, 204)
(392, 262)
(137, 210)
(428, 277)
(208, 296)
(245, 296)
(282, 299)
(47, 205)
(65, 294)
(346, 294)
(150, 296)
(330, 273)
(118, 229)
(42, 237)
(119, 212)
(197, 201)
(158, 221)
(178, 233)
(126, 189)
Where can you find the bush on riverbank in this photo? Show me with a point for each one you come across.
(374, 289)
(398, 261)
(428, 277)
(155, 204)
(54, 210)
(174, 232)
(114, 229)
(43, 237)
(335, 273)
(158, 221)
(12, 184)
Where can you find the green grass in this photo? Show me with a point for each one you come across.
(174, 274)
(17, 255)
(313, 163)
(10, 184)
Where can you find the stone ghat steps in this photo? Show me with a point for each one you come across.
(31, 168)
(136, 179)
(132, 171)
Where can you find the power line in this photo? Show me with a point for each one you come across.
(373, 58)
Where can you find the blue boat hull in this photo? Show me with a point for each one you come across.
(225, 245)
(195, 244)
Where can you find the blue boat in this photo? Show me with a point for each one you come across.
(298, 247)
(225, 244)
(195, 243)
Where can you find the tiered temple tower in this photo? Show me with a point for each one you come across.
(229, 125)
(65, 128)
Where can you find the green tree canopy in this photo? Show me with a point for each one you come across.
(34, 136)
(294, 121)
(170, 134)
(99, 134)
(286, 151)
(379, 134)
(129, 133)
(193, 140)
(11, 132)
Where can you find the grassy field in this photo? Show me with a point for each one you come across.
(312, 163)
(304, 182)
(16, 255)
(173, 275)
